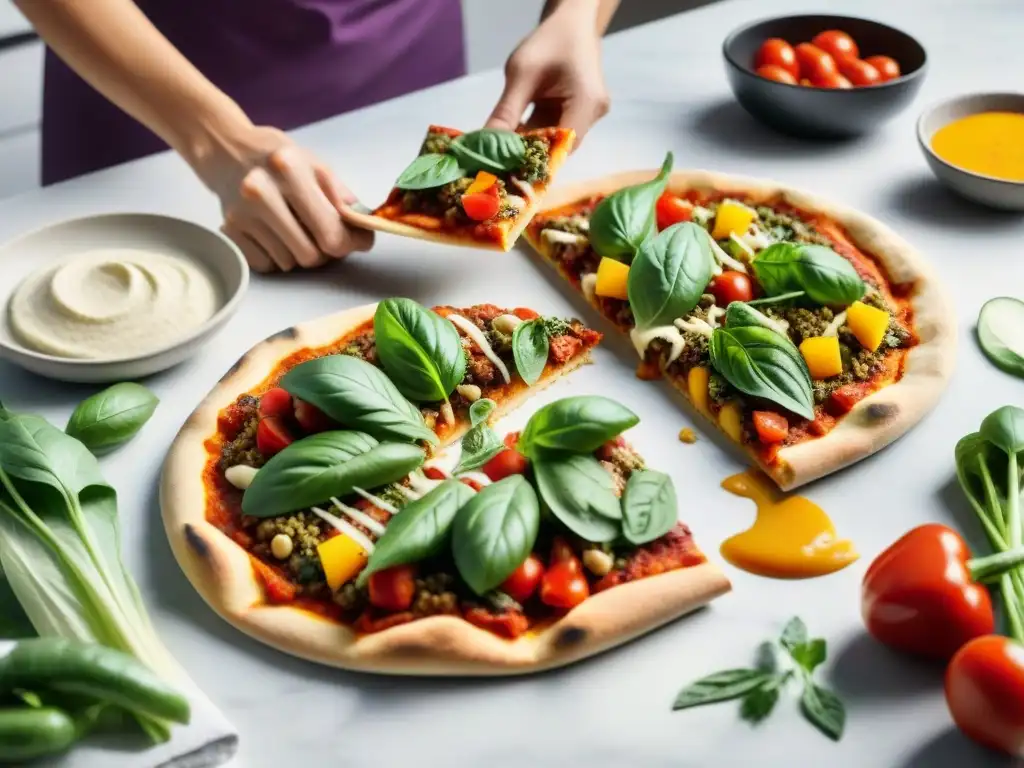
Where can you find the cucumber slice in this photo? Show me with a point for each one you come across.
(1001, 333)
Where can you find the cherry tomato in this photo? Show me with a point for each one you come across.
(771, 427)
(510, 624)
(888, 68)
(476, 486)
(672, 209)
(276, 402)
(814, 62)
(858, 72)
(524, 580)
(525, 313)
(778, 74)
(433, 473)
(836, 43)
(272, 435)
(508, 462)
(562, 586)
(561, 552)
(731, 286)
(482, 205)
(985, 692)
(393, 588)
(776, 52)
(833, 80)
(311, 418)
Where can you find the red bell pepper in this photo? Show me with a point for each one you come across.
(985, 692)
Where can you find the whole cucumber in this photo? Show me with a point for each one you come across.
(27, 733)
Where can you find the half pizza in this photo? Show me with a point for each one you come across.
(811, 334)
(478, 189)
(342, 496)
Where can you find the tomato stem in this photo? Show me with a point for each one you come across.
(1012, 605)
(989, 569)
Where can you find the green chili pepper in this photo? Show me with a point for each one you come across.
(93, 671)
(27, 733)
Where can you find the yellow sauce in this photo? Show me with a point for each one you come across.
(989, 143)
(792, 537)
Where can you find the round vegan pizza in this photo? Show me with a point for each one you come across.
(341, 495)
(811, 334)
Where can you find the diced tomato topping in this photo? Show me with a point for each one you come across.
(648, 370)
(564, 348)
(563, 586)
(311, 418)
(525, 313)
(368, 622)
(604, 453)
(471, 483)
(433, 473)
(510, 624)
(231, 420)
(817, 427)
(393, 588)
(511, 439)
(276, 402)
(278, 588)
(272, 435)
(508, 462)
(771, 427)
(672, 209)
(242, 539)
(481, 206)
(524, 580)
(842, 401)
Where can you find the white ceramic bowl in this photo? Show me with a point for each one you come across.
(987, 190)
(27, 254)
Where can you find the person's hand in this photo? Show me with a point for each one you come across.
(281, 206)
(558, 70)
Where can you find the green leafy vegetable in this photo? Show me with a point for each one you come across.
(649, 506)
(530, 345)
(420, 350)
(824, 709)
(825, 276)
(794, 634)
(762, 363)
(312, 470)
(999, 333)
(495, 532)
(579, 493)
(759, 703)
(669, 274)
(489, 149)
(721, 686)
(579, 424)
(781, 298)
(624, 220)
(111, 418)
(429, 171)
(358, 395)
(481, 443)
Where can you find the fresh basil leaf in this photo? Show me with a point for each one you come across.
(481, 410)
(780, 299)
(312, 470)
(420, 351)
(489, 149)
(824, 709)
(111, 418)
(358, 395)
(624, 220)
(479, 445)
(740, 313)
(495, 532)
(825, 276)
(1004, 428)
(721, 686)
(793, 634)
(649, 506)
(580, 494)
(579, 424)
(530, 345)
(420, 531)
(809, 654)
(762, 363)
(429, 171)
(669, 274)
(760, 702)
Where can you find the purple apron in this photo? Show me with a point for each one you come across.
(286, 62)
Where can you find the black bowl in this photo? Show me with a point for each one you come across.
(823, 113)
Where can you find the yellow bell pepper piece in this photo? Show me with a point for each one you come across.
(869, 324)
(822, 356)
(697, 385)
(730, 418)
(611, 279)
(342, 558)
(481, 183)
(732, 217)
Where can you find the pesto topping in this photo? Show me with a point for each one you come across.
(535, 166)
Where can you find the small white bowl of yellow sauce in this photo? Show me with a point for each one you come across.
(975, 145)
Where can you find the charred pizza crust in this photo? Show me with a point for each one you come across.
(222, 571)
(884, 415)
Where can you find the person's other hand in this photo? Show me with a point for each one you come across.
(281, 206)
(558, 70)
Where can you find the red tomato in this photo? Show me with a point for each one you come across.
(276, 402)
(524, 580)
(731, 286)
(482, 205)
(508, 462)
(511, 439)
(510, 624)
(833, 80)
(778, 74)
(776, 52)
(836, 43)
(985, 692)
(672, 209)
(561, 552)
(771, 427)
(814, 62)
(393, 588)
(311, 418)
(433, 473)
(272, 435)
(842, 400)
(471, 483)
(858, 72)
(278, 588)
(525, 313)
(562, 586)
(888, 68)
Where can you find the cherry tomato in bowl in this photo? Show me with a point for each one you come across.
(815, 64)
(776, 52)
(858, 72)
(831, 80)
(778, 74)
(888, 68)
(836, 43)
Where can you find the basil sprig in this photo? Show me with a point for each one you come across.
(762, 363)
(495, 532)
(312, 470)
(579, 493)
(669, 274)
(531, 343)
(649, 506)
(489, 149)
(481, 443)
(429, 171)
(825, 276)
(624, 220)
(358, 395)
(579, 424)
(421, 351)
(111, 418)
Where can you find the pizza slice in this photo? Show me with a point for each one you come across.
(479, 188)
(809, 333)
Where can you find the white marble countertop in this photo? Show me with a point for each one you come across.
(669, 92)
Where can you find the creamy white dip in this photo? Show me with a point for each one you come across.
(111, 304)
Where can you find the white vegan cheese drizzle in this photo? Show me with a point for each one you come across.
(347, 529)
(359, 516)
(715, 313)
(478, 337)
(589, 285)
(515, 201)
(724, 258)
(756, 239)
(695, 325)
(742, 244)
(525, 187)
(567, 238)
(832, 328)
(240, 475)
(377, 501)
(642, 339)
